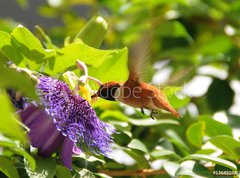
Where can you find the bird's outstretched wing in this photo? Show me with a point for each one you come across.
(139, 54)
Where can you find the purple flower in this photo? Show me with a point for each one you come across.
(69, 121)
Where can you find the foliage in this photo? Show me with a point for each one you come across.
(182, 38)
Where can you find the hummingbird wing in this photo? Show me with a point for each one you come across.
(139, 55)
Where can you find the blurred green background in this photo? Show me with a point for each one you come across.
(192, 53)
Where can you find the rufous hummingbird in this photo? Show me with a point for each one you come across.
(136, 93)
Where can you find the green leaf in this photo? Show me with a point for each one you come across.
(106, 64)
(215, 128)
(9, 124)
(181, 54)
(216, 160)
(10, 78)
(27, 39)
(192, 169)
(151, 122)
(205, 151)
(14, 148)
(8, 168)
(112, 68)
(137, 144)
(177, 141)
(157, 154)
(228, 145)
(88, 158)
(220, 95)
(161, 153)
(169, 91)
(113, 165)
(45, 167)
(122, 126)
(177, 102)
(84, 173)
(170, 167)
(30, 48)
(101, 175)
(195, 133)
(63, 172)
(5, 39)
(112, 115)
(48, 40)
(217, 44)
(172, 29)
(233, 121)
(23, 48)
(142, 162)
(9, 48)
(94, 32)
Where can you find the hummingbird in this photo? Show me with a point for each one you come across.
(135, 92)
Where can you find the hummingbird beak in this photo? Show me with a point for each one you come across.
(94, 98)
(94, 95)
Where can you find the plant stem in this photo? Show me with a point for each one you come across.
(143, 172)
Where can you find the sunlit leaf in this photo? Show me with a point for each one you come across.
(170, 167)
(110, 115)
(216, 160)
(164, 153)
(195, 133)
(9, 123)
(229, 145)
(139, 158)
(205, 151)
(45, 167)
(192, 169)
(137, 144)
(89, 158)
(177, 141)
(112, 68)
(178, 102)
(106, 64)
(215, 128)
(23, 48)
(30, 48)
(94, 32)
(150, 122)
(8, 168)
(84, 173)
(47, 39)
(13, 147)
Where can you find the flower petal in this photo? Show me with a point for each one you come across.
(66, 153)
(29, 114)
(76, 150)
(41, 129)
(51, 145)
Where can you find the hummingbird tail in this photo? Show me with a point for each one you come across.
(175, 113)
(163, 103)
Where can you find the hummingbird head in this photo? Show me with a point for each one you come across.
(107, 91)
